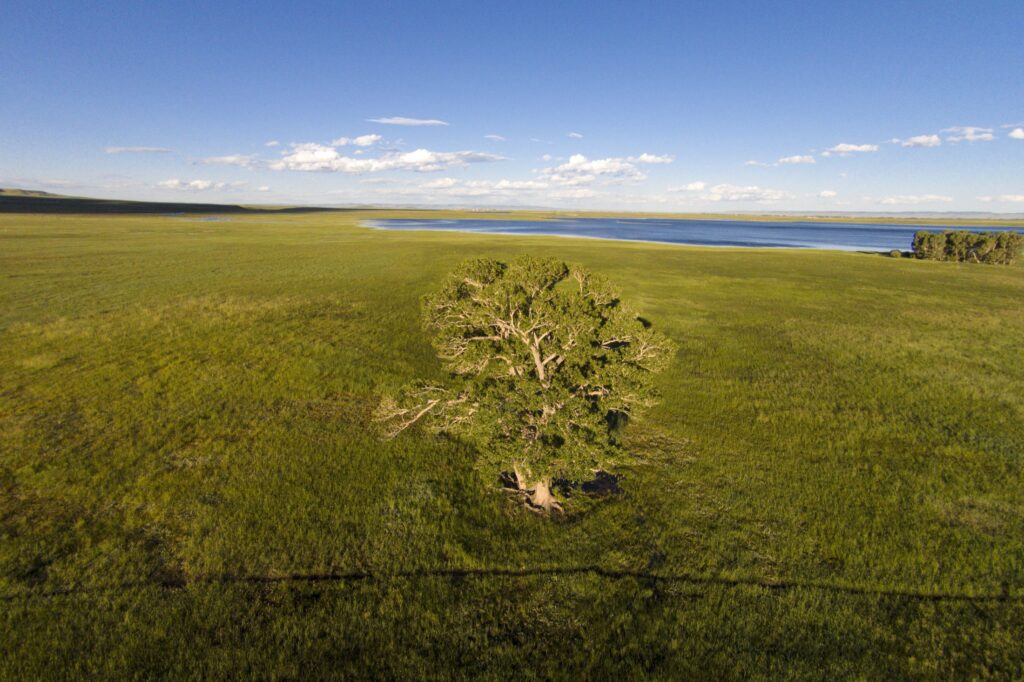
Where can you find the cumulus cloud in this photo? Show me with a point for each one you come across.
(54, 183)
(697, 186)
(440, 183)
(1015, 198)
(137, 150)
(581, 170)
(243, 160)
(405, 121)
(199, 185)
(451, 187)
(311, 156)
(918, 141)
(795, 159)
(727, 192)
(263, 188)
(575, 136)
(650, 158)
(828, 194)
(494, 138)
(1017, 133)
(913, 199)
(969, 134)
(361, 141)
(271, 143)
(845, 149)
(756, 163)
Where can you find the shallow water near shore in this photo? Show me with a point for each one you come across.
(728, 233)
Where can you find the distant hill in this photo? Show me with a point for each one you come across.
(35, 201)
(12, 192)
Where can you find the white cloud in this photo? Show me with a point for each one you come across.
(137, 150)
(1016, 198)
(311, 156)
(969, 133)
(546, 157)
(243, 160)
(494, 138)
(918, 141)
(1017, 133)
(451, 187)
(263, 188)
(697, 186)
(581, 170)
(756, 163)
(404, 121)
(727, 192)
(271, 143)
(361, 141)
(575, 136)
(199, 185)
(650, 158)
(440, 183)
(845, 148)
(914, 199)
(795, 159)
(27, 183)
(828, 194)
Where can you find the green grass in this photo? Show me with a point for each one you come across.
(839, 449)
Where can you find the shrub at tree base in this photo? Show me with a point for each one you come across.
(1002, 248)
(545, 364)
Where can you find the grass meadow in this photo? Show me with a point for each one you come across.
(191, 486)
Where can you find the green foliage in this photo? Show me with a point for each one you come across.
(930, 245)
(895, 253)
(961, 246)
(546, 363)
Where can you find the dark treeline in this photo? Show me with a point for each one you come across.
(1001, 248)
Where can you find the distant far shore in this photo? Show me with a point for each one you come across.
(34, 201)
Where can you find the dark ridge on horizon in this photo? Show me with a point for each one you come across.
(30, 201)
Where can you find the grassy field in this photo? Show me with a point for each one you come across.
(190, 485)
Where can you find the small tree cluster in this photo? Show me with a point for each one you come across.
(545, 365)
(1001, 248)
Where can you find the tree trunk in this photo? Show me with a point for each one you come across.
(538, 494)
(542, 499)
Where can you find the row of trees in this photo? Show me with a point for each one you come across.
(1001, 248)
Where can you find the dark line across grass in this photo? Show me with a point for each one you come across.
(613, 574)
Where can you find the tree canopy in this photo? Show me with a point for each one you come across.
(1000, 248)
(546, 364)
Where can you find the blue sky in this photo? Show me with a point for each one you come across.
(723, 106)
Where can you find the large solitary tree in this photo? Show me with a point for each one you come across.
(546, 365)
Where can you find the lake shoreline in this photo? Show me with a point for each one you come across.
(850, 238)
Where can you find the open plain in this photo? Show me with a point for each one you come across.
(191, 484)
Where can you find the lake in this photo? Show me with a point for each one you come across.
(736, 233)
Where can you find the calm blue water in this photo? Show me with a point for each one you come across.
(804, 235)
